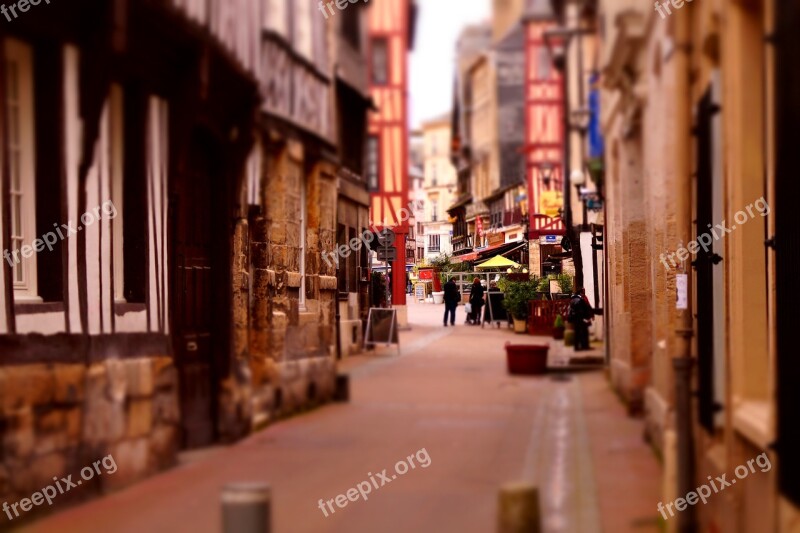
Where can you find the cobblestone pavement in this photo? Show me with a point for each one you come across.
(447, 392)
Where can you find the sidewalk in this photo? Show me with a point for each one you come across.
(449, 393)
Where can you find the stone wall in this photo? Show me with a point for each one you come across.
(58, 418)
(290, 343)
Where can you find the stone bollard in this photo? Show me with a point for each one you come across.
(342, 393)
(246, 508)
(518, 509)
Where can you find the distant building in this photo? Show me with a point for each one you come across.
(439, 186)
(416, 175)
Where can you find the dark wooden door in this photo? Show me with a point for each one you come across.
(192, 219)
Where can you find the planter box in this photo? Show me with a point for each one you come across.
(526, 359)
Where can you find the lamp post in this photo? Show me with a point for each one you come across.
(578, 178)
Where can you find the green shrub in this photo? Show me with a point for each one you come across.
(517, 294)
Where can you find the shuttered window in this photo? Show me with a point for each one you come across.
(787, 246)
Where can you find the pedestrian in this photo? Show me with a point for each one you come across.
(476, 300)
(580, 316)
(451, 298)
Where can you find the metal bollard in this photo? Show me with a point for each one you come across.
(342, 393)
(246, 508)
(518, 509)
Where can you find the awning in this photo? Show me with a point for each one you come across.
(498, 261)
(497, 249)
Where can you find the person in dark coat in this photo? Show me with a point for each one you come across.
(451, 299)
(580, 315)
(476, 300)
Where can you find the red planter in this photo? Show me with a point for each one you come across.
(528, 359)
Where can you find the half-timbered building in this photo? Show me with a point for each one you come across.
(544, 140)
(391, 30)
(169, 182)
(125, 129)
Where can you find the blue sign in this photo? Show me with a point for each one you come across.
(551, 239)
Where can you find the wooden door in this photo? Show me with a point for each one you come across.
(193, 246)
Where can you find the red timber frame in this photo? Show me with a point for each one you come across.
(544, 129)
(389, 20)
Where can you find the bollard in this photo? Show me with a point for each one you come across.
(246, 508)
(518, 509)
(342, 393)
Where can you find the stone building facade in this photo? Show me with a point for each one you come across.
(193, 306)
(106, 338)
(698, 109)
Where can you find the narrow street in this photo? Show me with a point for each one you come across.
(449, 393)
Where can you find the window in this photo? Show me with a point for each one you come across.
(433, 243)
(134, 197)
(373, 174)
(341, 272)
(351, 27)
(434, 211)
(302, 38)
(433, 174)
(277, 17)
(380, 61)
(420, 252)
(420, 230)
(295, 175)
(20, 148)
(497, 214)
(352, 264)
(543, 64)
(116, 159)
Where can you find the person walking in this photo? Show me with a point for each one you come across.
(580, 316)
(451, 299)
(476, 300)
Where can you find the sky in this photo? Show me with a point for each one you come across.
(432, 60)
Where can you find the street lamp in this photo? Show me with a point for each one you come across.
(579, 119)
(556, 41)
(578, 178)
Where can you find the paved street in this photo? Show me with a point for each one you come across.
(448, 392)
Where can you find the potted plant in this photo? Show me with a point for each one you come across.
(526, 358)
(558, 327)
(517, 294)
(569, 335)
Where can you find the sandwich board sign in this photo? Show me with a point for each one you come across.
(382, 328)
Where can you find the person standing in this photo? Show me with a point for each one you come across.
(451, 299)
(580, 315)
(476, 300)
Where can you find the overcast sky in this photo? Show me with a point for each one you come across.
(432, 61)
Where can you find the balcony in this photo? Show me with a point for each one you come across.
(512, 217)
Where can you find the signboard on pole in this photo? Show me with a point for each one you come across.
(386, 237)
(387, 253)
